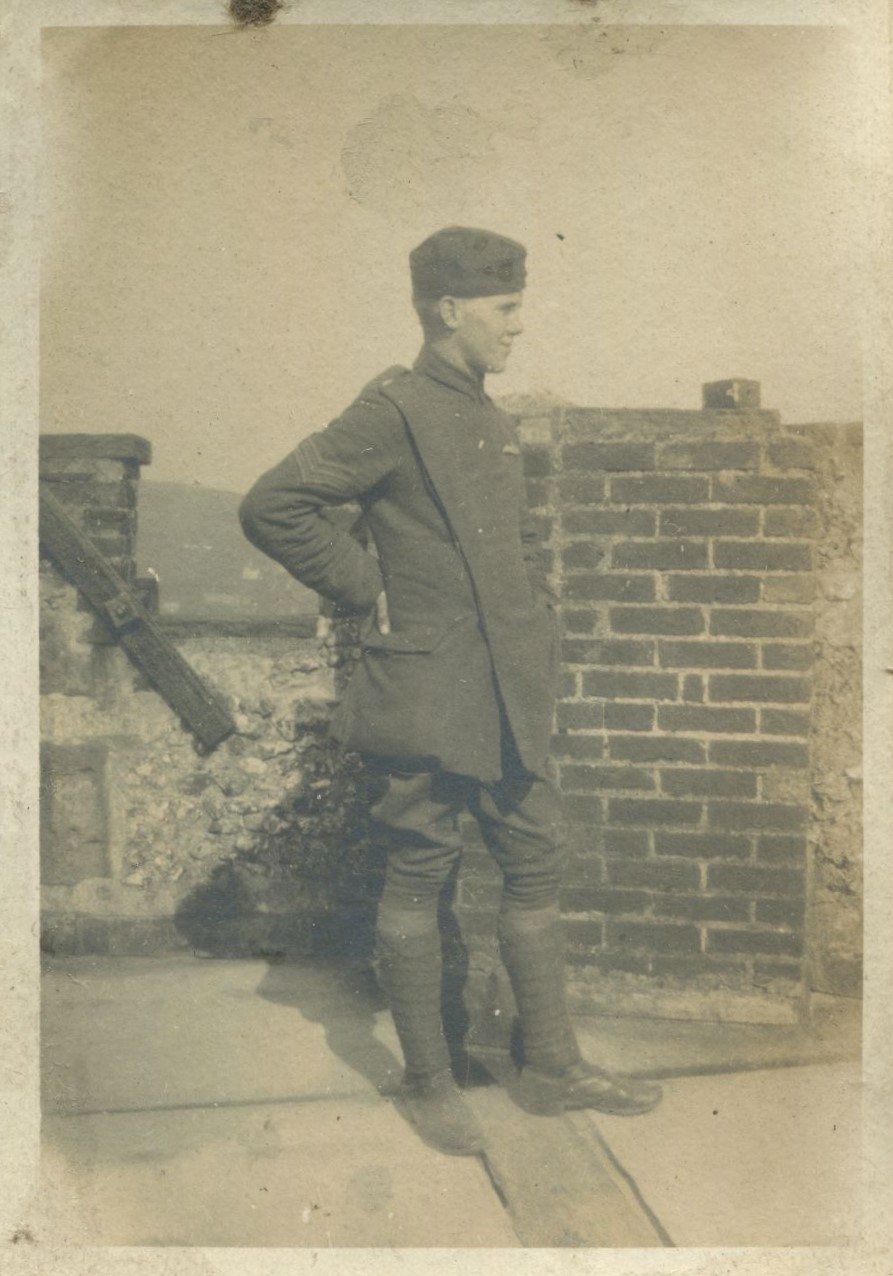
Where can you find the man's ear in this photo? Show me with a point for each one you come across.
(451, 312)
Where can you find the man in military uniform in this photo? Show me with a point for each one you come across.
(453, 697)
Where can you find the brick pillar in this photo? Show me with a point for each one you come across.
(95, 477)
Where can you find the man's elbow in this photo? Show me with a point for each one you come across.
(254, 518)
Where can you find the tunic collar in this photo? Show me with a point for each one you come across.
(433, 365)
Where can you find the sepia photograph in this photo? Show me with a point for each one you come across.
(450, 633)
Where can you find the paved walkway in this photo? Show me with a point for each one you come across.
(222, 1103)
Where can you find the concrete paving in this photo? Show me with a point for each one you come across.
(752, 1159)
(325, 1173)
(239, 1103)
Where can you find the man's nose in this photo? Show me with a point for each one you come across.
(516, 327)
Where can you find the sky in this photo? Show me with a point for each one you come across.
(227, 218)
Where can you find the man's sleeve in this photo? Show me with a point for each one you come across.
(283, 514)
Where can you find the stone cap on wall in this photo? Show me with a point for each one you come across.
(99, 447)
(735, 394)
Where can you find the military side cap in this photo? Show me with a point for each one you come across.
(462, 262)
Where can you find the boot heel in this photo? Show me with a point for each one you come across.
(540, 1093)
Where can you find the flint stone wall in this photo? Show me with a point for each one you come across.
(147, 844)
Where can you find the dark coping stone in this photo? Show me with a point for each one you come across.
(110, 447)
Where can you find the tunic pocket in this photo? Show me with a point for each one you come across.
(409, 639)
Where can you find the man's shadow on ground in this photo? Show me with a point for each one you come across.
(324, 967)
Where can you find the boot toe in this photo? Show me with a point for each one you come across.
(441, 1116)
(615, 1095)
(586, 1086)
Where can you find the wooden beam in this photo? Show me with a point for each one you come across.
(122, 612)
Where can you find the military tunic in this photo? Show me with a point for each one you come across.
(437, 470)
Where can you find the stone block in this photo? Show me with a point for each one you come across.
(706, 718)
(654, 748)
(713, 589)
(667, 555)
(702, 846)
(587, 651)
(762, 556)
(699, 522)
(659, 489)
(754, 941)
(653, 811)
(627, 842)
(663, 875)
(629, 717)
(736, 394)
(578, 746)
(686, 782)
(657, 620)
(73, 814)
(602, 899)
(655, 936)
(609, 522)
(593, 587)
(710, 455)
(756, 815)
(702, 908)
(638, 685)
(609, 456)
(582, 779)
(708, 655)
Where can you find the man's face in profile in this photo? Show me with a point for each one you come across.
(486, 328)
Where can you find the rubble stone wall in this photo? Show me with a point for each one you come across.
(147, 843)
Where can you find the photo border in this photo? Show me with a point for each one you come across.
(22, 1251)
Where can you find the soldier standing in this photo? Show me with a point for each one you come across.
(453, 697)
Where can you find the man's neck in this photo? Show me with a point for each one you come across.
(449, 352)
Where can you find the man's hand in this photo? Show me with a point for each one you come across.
(339, 641)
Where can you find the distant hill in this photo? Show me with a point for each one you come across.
(532, 402)
(189, 536)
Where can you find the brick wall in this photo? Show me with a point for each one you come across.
(684, 546)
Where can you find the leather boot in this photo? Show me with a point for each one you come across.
(436, 1108)
(555, 1076)
(411, 972)
(532, 947)
(583, 1085)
